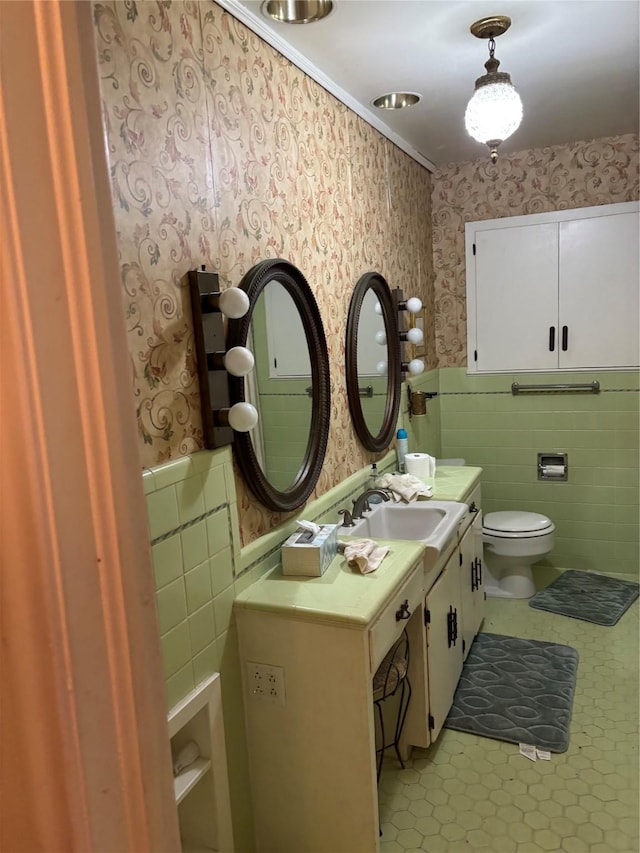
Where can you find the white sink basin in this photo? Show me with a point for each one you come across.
(431, 522)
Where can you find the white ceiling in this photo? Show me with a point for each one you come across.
(575, 64)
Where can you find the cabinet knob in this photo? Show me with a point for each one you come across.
(403, 612)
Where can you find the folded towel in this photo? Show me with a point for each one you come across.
(404, 487)
(365, 555)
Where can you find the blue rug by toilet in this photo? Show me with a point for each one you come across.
(601, 599)
(519, 691)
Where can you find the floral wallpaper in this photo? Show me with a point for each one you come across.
(604, 171)
(223, 153)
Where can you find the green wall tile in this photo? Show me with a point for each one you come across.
(162, 507)
(218, 534)
(214, 485)
(198, 587)
(195, 549)
(172, 605)
(176, 649)
(223, 607)
(202, 628)
(190, 496)
(206, 662)
(179, 685)
(221, 571)
(167, 560)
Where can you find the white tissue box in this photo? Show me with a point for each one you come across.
(307, 554)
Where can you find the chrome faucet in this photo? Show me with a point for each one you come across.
(361, 503)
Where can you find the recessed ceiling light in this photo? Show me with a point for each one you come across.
(297, 11)
(396, 100)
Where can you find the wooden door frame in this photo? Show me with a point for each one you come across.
(84, 751)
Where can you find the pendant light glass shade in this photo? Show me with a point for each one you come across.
(493, 113)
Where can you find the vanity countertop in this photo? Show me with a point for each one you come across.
(341, 595)
(454, 482)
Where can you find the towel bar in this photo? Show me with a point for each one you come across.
(589, 387)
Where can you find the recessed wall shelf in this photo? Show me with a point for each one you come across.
(202, 788)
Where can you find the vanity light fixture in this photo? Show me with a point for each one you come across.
(413, 335)
(215, 363)
(297, 11)
(495, 109)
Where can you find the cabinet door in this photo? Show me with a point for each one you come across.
(471, 586)
(599, 277)
(516, 298)
(444, 650)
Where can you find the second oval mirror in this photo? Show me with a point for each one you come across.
(372, 362)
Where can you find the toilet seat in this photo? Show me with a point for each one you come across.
(516, 524)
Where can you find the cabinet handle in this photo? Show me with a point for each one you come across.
(479, 575)
(403, 612)
(565, 338)
(552, 338)
(474, 577)
(452, 626)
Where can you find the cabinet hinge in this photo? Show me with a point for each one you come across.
(474, 248)
(432, 722)
(427, 616)
(464, 646)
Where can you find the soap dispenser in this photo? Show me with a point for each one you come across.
(402, 448)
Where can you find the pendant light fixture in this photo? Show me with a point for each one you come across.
(495, 110)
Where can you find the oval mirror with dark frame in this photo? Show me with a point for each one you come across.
(374, 399)
(281, 475)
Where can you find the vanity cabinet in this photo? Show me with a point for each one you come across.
(554, 291)
(311, 731)
(454, 609)
(309, 649)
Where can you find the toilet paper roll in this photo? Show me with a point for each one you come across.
(553, 471)
(420, 465)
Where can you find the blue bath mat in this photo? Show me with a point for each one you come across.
(588, 596)
(519, 691)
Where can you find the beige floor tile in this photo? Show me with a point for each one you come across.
(471, 793)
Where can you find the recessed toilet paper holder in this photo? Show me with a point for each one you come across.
(553, 466)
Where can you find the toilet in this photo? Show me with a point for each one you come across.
(513, 541)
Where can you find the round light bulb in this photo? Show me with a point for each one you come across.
(381, 368)
(415, 366)
(234, 303)
(493, 113)
(414, 305)
(378, 309)
(242, 417)
(239, 361)
(381, 338)
(415, 336)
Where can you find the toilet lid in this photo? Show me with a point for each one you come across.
(516, 522)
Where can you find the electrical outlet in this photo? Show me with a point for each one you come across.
(266, 682)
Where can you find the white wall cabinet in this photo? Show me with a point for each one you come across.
(554, 291)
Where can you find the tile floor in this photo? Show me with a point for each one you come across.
(473, 793)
